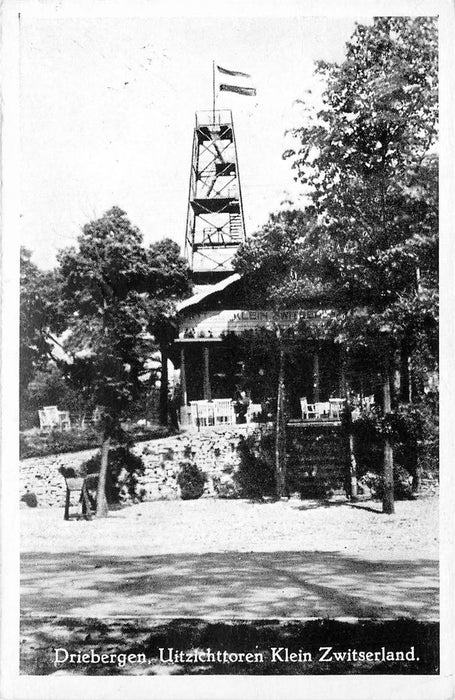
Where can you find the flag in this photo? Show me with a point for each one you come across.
(241, 87)
(233, 73)
(238, 89)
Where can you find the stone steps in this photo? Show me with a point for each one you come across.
(318, 460)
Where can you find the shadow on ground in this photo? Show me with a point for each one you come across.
(228, 585)
(313, 647)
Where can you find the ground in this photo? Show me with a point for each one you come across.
(233, 576)
(223, 559)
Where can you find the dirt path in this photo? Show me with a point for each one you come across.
(225, 559)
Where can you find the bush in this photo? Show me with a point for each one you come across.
(255, 476)
(224, 486)
(75, 440)
(123, 470)
(30, 499)
(191, 481)
(414, 432)
(402, 484)
(56, 442)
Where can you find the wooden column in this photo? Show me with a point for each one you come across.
(342, 372)
(183, 377)
(315, 377)
(280, 439)
(206, 375)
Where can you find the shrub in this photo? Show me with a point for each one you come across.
(30, 499)
(56, 442)
(402, 484)
(75, 440)
(414, 432)
(224, 486)
(255, 476)
(191, 481)
(124, 467)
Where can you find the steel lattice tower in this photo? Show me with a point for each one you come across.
(215, 224)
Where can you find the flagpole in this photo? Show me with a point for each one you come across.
(213, 102)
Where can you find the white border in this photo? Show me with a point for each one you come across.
(214, 687)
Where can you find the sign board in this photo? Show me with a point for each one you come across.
(213, 324)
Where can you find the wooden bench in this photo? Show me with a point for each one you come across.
(81, 485)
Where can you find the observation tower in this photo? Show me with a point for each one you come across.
(215, 224)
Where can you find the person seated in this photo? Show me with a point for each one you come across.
(241, 403)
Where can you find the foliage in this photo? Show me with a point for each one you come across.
(57, 442)
(191, 481)
(114, 293)
(255, 476)
(124, 467)
(30, 499)
(76, 440)
(39, 318)
(368, 160)
(275, 256)
(366, 247)
(113, 290)
(402, 484)
(414, 431)
(49, 388)
(225, 486)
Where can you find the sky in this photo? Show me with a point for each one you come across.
(107, 115)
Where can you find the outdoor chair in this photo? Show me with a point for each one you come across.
(322, 409)
(309, 410)
(254, 409)
(336, 408)
(50, 417)
(45, 423)
(65, 422)
(223, 411)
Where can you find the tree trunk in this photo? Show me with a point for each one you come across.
(352, 459)
(352, 469)
(101, 502)
(416, 469)
(388, 505)
(280, 442)
(164, 409)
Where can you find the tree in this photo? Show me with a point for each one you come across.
(271, 264)
(368, 239)
(114, 293)
(368, 157)
(46, 388)
(39, 319)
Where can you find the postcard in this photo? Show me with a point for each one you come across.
(226, 386)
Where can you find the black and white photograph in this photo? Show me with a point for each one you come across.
(227, 269)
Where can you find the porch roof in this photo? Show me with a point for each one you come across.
(207, 291)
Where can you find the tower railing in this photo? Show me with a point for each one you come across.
(209, 117)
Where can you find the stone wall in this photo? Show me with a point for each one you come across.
(40, 475)
(214, 451)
